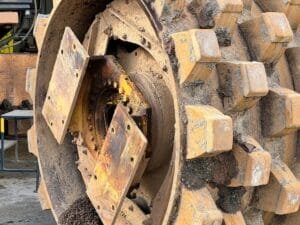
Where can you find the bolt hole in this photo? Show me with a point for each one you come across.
(62, 51)
(95, 177)
(77, 75)
(113, 130)
(129, 110)
(135, 53)
(130, 208)
(49, 97)
(128, 127)
(51, 124)
(113, 207)
(62, 121)
(131, 159)
(98, 207)
(74, 46)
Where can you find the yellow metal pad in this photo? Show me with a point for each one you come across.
(67, 75)
(117, 165)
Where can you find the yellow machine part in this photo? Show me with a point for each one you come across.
(9, 48)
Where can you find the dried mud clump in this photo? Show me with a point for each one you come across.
(204, 12)
(224, 37)
(218, 170)
(230, 199)
(80, 212)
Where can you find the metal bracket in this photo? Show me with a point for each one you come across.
(121, 154)
(68, 73)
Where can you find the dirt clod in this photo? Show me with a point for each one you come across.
(230, 198)
(80, 212)
(218, 170)
(205, 12)
(224, 37)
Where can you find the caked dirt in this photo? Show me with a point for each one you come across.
(81, 212)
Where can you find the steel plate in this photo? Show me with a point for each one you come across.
(69, 70)
(118, 162)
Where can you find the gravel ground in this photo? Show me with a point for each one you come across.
(19, 204)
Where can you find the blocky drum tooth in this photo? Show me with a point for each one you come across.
(280, 114)
(242, 84)
(267, 36)
(291, 9)
(229, 14)
(198, 205)
(254, 164)
(285, 186)
(209, 132)
(293, 57)
(197, 52)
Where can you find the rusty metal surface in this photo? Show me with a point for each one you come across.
(117, 165)
(67, 75)
(150, 43)
(98, 40)
(114, 75)
(40, 28)
(150, 11)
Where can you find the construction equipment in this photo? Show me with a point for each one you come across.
(169, 112)
(17, 19)
(17, 49)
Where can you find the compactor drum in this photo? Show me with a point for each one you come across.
(169, 112)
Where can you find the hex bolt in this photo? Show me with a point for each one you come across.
(129, 110)
(121, 90)
(149, 45)
(115, 84)
(76, 134)
(143, 41)
(95, 147)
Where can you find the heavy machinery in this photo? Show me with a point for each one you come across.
(17, 48)
(19, 17)
(169, 112)
(17, 51)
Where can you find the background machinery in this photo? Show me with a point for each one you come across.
(18, 34)
(18, 49)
